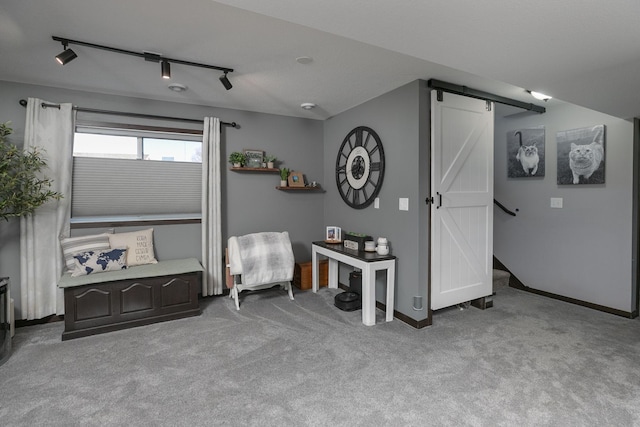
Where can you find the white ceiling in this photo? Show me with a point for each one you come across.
(586, 52)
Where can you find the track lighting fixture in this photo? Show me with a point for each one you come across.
(225, 81)
(67, 55)
(166, 70)
(165, 63)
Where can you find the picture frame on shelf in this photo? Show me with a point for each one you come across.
(296, 179)
(333, 234)
(254, 158)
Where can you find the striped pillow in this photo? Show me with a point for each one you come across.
(76, 245)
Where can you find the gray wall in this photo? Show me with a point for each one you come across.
(250, 201)
(401, 119)
(583, 251)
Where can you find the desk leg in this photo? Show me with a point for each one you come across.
(314, 269)
(391, 279)
(333, 273)
(368, 296)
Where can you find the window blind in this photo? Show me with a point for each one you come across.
(113, 187)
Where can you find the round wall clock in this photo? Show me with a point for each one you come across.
(360, 167)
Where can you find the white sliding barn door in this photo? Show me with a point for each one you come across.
(462, 191)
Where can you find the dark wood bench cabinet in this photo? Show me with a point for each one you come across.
(164, 291)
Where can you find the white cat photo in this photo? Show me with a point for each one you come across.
(581, 155)
(526, 152)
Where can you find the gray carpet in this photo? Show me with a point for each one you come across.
(528, 360)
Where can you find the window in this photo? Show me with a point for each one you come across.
(101, 146)
(135, 172)
(172, 150)
(131, 147)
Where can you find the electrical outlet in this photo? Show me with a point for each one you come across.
(556, 202)
(403, 204)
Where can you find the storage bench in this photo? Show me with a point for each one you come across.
(139, 295)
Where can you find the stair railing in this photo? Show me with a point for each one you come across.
(507, 211)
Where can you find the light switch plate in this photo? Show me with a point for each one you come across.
(376, 203)
(556, 202)
(403, 204)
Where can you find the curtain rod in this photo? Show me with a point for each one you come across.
(23, 102)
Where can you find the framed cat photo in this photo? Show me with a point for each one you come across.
(526, 152)
(581, 154)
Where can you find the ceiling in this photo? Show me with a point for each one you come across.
(586, 52)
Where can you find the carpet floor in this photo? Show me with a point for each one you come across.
(529, 360)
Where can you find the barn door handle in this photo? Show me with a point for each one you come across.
(439, 200)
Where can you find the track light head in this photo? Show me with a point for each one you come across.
(166, 69)
(67, 55)
(225, 81)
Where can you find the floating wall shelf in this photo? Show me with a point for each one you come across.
(318, 188)
(255, 170)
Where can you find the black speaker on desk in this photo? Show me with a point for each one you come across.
(351, 300)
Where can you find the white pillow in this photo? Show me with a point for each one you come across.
(99, 261)
(76, 245)
(139, 243)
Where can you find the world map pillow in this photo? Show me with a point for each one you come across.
(99, 261)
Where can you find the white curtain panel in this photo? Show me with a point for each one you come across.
(50, 129)
(213, 279)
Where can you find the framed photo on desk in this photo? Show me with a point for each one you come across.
(333, 234)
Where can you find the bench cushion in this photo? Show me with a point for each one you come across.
(162, 268)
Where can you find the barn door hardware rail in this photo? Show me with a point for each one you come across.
(439, 86)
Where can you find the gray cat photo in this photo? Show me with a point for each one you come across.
(525, 152)
(581, 155)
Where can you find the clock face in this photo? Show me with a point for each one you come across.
(360, 167)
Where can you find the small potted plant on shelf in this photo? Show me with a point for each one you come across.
(237, 159)
(284, 173)
(270, 160)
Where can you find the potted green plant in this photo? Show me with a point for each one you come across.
(270, 160)
(284, 173)
(237, 159)
(22, 187)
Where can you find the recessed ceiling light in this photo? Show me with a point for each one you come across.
(540, 96)
(177, 87)
(304, 60)
(308, 105)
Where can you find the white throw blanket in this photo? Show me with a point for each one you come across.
(261, 258)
